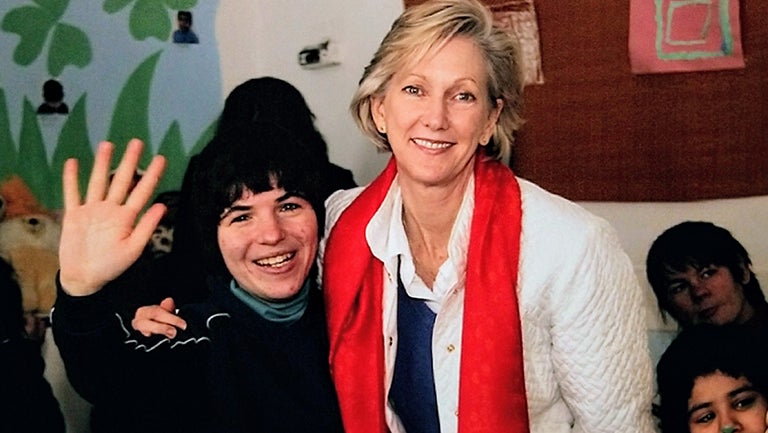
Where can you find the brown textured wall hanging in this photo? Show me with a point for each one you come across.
(595, 131)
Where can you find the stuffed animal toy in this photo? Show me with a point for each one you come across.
(18, 198)
(30, 244)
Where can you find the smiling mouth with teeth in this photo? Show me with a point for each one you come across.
(275, 261)
(431, 144)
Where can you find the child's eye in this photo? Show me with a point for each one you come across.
(705, 418)
(745, 403)
(676, 288)
(287, 207)
(708, 272)
(239, 218)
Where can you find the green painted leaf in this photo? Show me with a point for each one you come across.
(112, 6)
(180, 4)
(54, 7)
(130, 118)
(205, 137)
(173, 150)
(32, 164)
(73, 143)
(150, 19)
(32, 24)
(7, 146)
(69, 46)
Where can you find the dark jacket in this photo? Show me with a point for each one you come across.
(28, 403)
(230, 371)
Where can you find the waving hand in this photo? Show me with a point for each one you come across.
(100, 235)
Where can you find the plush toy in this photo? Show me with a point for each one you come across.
(29, 244)
(18, 199)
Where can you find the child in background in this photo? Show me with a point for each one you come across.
(712, 379)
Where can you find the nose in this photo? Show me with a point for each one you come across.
(729, 425)
(699, 289)
(270, 230)
(436, 114)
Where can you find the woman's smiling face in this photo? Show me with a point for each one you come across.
(437, 113)
(269, 242)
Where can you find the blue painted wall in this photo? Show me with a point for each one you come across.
(122, 77)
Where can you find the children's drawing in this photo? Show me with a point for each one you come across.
(684, 35)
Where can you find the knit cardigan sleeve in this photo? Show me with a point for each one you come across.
(587, 361)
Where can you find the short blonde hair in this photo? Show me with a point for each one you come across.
(426, 26)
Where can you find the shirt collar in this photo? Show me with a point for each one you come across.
(386, 237)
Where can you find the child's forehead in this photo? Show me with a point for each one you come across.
(273, 194)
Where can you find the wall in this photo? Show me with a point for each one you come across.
(184, 91)
(123, 77)
(595, 131)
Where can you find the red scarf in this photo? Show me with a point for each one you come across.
(491, 386)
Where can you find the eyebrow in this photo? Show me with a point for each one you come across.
(239, 208)
(731, 394)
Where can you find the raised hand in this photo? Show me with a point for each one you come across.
(100, 236)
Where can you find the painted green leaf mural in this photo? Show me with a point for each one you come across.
(180, 4)
(73, 143)
(130, 118)
(112, 6)
(7, 146)
(32, 161)
(149, 18)
(69, 46)
(54, 7)
(205, 137)
(32, 24)
(173, 150)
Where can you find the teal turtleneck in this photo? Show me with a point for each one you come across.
(284, 311)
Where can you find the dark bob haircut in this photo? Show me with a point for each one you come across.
(698, 244)
(701, 350)
(256, 157)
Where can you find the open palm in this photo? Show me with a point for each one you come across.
(100, 235)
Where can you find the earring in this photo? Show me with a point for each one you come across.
(383, 129)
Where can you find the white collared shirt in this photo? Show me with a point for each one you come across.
(386, 236)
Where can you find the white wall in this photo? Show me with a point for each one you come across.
(264, 37)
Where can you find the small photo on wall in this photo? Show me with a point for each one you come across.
(184, 33)
(53, 99)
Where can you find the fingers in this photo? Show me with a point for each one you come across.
(155, 320)
(143, 191)
(168, 304)
(99, 180)
(71, 195)
(122, 181)
(142, 233)
(100, 187)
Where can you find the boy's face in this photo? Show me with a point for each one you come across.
(708, 295)
(269, 242)
(720, 403)
(184, 23)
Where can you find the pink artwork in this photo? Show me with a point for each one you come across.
(684, 35)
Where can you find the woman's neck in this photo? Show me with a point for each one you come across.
(429, 213)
